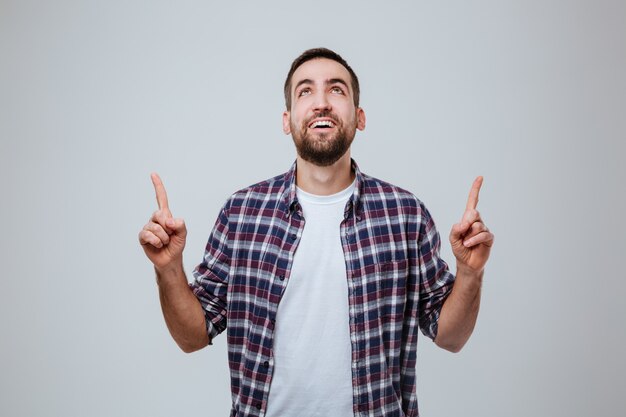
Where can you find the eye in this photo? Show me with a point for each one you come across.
(336, 90)
(304, 92)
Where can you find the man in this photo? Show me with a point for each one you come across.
(323, 274)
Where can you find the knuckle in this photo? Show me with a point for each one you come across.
(145, 238)
(156, 241)
(148, 237)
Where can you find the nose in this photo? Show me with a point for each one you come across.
(321, 102)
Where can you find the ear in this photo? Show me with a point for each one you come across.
(360, 118)
(286, 122)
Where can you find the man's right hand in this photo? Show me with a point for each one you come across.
(163, 240)
(163, 237)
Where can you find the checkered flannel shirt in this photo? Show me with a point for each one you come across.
(396, 283)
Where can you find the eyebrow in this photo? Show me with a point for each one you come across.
(327, 82)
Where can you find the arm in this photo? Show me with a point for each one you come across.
(182, 311)
(163, 240)
(459, 312)
(471, 244)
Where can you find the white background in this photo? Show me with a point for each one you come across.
(96, 95)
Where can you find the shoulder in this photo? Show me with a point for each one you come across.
(384, 200)
(263, 193)
(375, 190)
(274, 185)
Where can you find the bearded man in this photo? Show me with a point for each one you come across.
(323, 275)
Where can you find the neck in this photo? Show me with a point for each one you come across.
(324, 180)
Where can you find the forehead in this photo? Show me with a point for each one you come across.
(320, 70)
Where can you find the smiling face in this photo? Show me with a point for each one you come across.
(322, 119)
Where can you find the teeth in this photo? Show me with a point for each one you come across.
(322, 123)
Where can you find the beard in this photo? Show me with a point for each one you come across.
(323, 149)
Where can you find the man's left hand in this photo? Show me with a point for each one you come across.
(471, 240)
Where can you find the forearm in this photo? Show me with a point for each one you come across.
(181, 309)
(459, 311)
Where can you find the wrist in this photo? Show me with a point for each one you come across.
(468, 272)
(169, 273)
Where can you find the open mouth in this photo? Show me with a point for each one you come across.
(322, 124)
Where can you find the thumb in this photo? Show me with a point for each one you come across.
(177, 226)
(458, 231)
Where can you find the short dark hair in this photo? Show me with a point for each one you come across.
(316, 53)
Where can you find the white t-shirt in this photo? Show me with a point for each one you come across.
(312, 351)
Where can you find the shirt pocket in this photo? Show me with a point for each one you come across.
(384, 290)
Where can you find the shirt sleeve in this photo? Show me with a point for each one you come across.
(211, 277)
(436, 280)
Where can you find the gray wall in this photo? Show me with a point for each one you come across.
(96, 95)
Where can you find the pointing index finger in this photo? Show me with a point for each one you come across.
(161, 195)
(472, 200)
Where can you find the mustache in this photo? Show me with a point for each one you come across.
(324, 114)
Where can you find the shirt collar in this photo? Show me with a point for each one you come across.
(290, 199)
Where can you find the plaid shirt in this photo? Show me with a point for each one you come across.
(396, 283)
